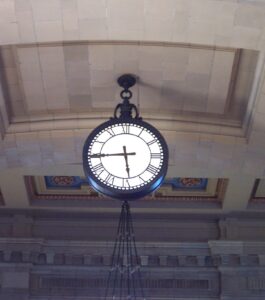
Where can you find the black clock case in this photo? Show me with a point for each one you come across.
(125, 194)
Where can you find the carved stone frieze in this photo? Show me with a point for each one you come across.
(44, 264)
(166, 283)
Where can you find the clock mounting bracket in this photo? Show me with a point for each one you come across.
(126, 110)
(126, 81)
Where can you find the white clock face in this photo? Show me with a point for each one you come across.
(125, 156)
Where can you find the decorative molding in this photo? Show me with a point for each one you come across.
(152, 255)
(127, 43)
(231, 228)
(50, 266)
(37, 191)
(164, 284)
(213, 191)
(187, 184)
(188, 123)
(51, 282)
(64, 189)
(256, 283)
(183, 123)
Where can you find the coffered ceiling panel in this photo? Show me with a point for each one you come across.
(51, 81)
(52, 78)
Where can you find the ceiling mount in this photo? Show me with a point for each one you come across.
(126, 81)
(125, 109)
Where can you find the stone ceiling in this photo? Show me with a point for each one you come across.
(200, 66)
(179, 80)
(54, 79)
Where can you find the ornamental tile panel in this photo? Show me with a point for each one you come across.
(177, 190)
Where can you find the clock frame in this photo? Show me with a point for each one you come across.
(128, 194)
(125, 113)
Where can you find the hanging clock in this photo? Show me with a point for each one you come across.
(125, 158)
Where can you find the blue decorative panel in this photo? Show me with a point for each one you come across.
(65, 182)
(182, 189)
(177, 183)
(187, 184)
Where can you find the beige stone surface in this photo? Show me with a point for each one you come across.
(185, 78)
(65, 85)
(209, 22)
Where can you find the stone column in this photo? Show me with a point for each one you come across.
(22, 226)
(15, 282)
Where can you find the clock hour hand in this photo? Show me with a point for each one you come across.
(99, 155)
(126, 160)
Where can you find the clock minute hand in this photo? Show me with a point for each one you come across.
(126, 160)
(99, 155)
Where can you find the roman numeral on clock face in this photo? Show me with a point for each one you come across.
(155, 155)
(141, 132)
(126, 128)
(151, 142)
(111, 132)
(109, 179)
(141, 180)
(152, 169)
(125, 183)
(98, 168)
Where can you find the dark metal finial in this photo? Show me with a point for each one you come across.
(126, 108)
(126, 81)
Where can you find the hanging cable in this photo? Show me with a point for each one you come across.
(124, 280)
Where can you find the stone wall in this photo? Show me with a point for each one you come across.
(35, 265)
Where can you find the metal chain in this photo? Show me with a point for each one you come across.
(124, 279)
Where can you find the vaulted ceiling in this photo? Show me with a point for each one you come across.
(200, 81)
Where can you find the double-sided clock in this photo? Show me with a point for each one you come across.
(125, 158)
